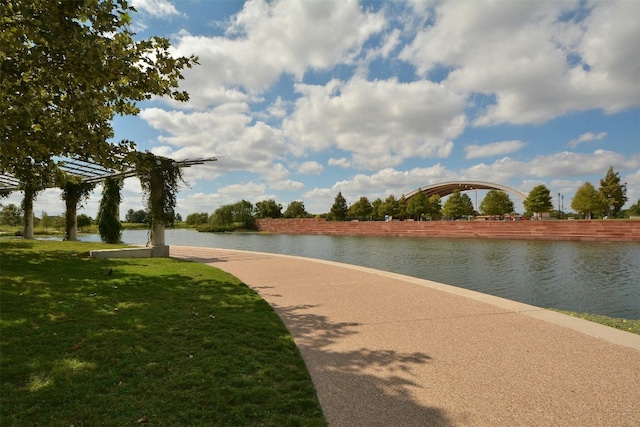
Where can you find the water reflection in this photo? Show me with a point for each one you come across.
(601, 278)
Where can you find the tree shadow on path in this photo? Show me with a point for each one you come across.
(362, 387)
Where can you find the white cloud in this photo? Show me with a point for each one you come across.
(474, 151)
(568, 164)
(342, 162)
(267, 39)
(156, 8)
(310, 168)
(277, 178)
(226, 132)
(537, 65)
(586, 137)
(632, 181)
(502, 170)
(381, 122)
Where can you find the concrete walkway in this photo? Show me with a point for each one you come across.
(390, 350)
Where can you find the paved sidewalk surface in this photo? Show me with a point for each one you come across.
(384, 349)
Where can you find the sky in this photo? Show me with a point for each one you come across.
(300, 100)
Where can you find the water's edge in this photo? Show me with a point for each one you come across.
(593, 277)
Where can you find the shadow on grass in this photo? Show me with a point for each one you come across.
(162, 340)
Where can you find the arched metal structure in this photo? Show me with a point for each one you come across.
(446, 188)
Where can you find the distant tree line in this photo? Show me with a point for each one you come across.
(12, 216)
(605, 201)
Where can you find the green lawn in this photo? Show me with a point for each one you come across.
(157, 342)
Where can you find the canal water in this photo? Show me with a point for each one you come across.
(593, 277)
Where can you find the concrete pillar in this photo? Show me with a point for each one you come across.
(71, 223)
(159, 248)
(27, 231)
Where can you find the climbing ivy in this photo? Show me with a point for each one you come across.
(108, 223)
(160, 179)
(74, 192)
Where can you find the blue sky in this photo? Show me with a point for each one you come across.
(301, 100)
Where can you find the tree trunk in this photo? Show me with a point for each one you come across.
(27, 206)
(71, 196)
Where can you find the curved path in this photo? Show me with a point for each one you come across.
(384, 349)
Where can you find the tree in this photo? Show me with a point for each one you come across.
(45, 221)
(160, 179)
(457, 205)
(389, 207)
(587, 201)
(496, 203)
(59, 221)
(375, 209)
(237, 215)
(296, 209)
(361, 209)
(197, 219)
(634, 210)
(68, 67)
(10, 215)
(435, 207)
(243, 214)
(402, 208)
(268, 209)
(108, 212)
(614, 192)
(339, 209)
(222, 217)
(83, 221)
(136, 217)
(74, 192)
(539, 200)
(418, 205)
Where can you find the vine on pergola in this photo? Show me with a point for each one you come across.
(109, 225)
(74, 192)
(160, 179)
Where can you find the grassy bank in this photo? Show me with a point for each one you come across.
(130, 342)
(628, 325)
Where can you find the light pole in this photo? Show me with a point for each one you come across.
(558, 217)
(562, 206)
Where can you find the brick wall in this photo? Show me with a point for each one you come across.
(579, 230)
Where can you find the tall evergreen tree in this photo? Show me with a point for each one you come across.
(339, 209)
(614, 192)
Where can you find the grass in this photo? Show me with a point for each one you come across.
(628, 325)
(158, 342)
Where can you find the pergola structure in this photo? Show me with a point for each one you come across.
(90, 172)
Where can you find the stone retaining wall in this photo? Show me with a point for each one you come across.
(579, 230)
